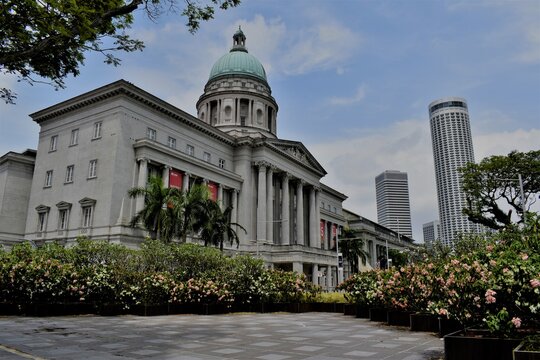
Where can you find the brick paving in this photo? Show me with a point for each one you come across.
(278, 336)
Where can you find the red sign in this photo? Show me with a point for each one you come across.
(175, 179)
(323, 225)
(213, 187)
(334, 231)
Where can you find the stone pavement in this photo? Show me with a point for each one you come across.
(278, 336)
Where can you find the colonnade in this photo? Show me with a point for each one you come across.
(290, 225)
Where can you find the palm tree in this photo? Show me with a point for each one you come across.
(352, 248)
(158, 215)
(190, 211)
(217, 225)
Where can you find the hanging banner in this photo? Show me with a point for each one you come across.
(334, 231)
(175, 179)
(213, 187)
(323, 225)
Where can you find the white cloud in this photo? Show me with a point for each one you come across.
(353, 162)
(357, 97)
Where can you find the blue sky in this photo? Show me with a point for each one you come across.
(353, 80)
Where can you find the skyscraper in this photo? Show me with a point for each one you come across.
(432, 232)
(452, 149)
(393, 207)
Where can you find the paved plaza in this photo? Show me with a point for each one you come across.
(280, 336)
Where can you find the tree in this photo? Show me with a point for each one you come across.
(352, 248)
(218, 227)
(190, 211)
(47, 39)
(158, 215)
(492, 188)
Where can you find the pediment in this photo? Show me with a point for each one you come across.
(297, 151)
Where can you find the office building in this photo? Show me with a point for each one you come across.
(432, 232)
(452, 149)
(393, 205)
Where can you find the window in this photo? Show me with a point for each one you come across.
(54, 142)
(151, 134)
(69, 173)
(97, 130)
(190, 150)
(92, 169)
(74, 137)
(87, 216)
(42, 221)
(43, 214)
(62, 219)
(206, 157)
(48, 178)
(222, 163)
(171, 143)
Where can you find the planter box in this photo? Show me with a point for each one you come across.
(448, 326)
(519, 354)
(150, 310)
(424, 322)
(362, 312)
(378, 314)
(212, 309)
(474, 345)
(326, 307)
(349, 309)
(250, 308)
(399, 318)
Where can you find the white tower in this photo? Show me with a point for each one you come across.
(393, 207)
(452, 149)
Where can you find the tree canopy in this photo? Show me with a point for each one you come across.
(492, 188)
(46, 40)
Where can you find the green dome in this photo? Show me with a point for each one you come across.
(238, 62)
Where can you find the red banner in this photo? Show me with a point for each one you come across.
(323, 226)
(334, 231)
(213, 187)
(175, 179)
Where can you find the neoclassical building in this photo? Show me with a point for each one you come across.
(94, 147)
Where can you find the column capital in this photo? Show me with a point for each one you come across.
(286, 176)
(300, 182)
(187, 173)
(262, 164)
(142, 159)
(167, 167)
(205, 181)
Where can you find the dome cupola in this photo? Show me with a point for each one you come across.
(237, 98)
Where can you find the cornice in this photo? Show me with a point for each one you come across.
(124, 88)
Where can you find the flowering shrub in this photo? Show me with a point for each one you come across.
(290, 287)
(200, 291)
(361, 288)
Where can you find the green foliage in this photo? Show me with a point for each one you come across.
(101, 273)
(493, 280)
(492, 186)
(352, 248)
(330, 297)
(48, 39)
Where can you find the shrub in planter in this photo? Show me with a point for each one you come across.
(528, 349)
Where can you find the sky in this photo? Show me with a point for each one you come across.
(353, 80)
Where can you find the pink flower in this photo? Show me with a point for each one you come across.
(489, 248)
(443, 312)
(524, 256)
(490, 296)
(492, 262)
(535, 283)
(516, 321)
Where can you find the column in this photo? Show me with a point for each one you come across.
(298, 267)
(285, 218)
(220, 196)
(315, 275)
(141, 182)
(249, 117)
(218, 109)
(300, 212)
(237, 113)
(261, 203)
(185, 182)
(165, 176)
(329, 277)
(318, 217)
(234, 216)
(269, 204)
(313, 225)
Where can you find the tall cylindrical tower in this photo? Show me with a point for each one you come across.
(452, 149)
